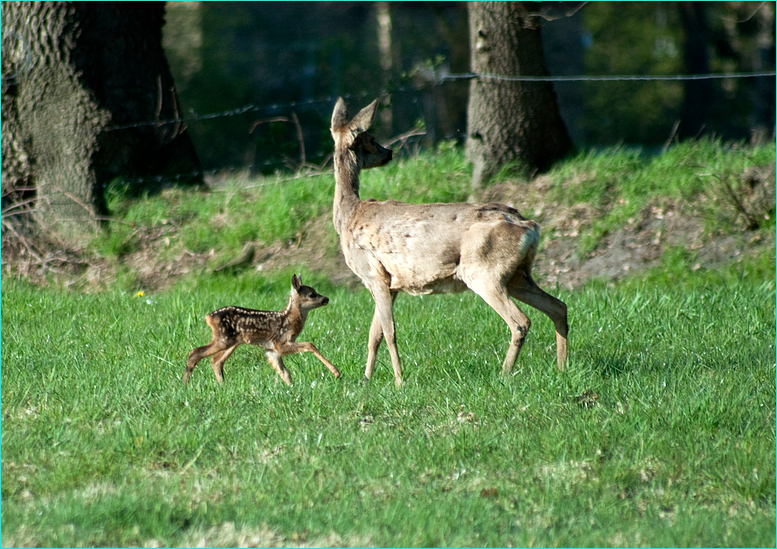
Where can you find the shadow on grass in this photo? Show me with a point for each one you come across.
(611, 365)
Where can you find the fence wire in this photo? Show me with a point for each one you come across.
(439, 80)
(275, 107)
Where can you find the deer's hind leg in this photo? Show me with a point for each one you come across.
(498, 299)
(218, 360)
(523, 288)
(198, 354)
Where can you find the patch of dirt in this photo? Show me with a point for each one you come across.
(158, 259)
(318, 246)
(640, 243)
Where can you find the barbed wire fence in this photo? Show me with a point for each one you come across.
(438, 80)
(326, 102)
(465, 76)
(275, 109)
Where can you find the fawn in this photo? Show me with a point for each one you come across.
(275, 331)
(432, 248)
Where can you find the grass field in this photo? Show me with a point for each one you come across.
(660, 432)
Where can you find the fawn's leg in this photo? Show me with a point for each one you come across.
(198, 354)
(525, 289)
(303, 347)
(276, 361)
(218, 360)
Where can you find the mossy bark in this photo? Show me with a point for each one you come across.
(510, 121)
(72, 73)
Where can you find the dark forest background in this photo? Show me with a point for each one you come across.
(264, 72)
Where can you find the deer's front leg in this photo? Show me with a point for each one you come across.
(304, 347)
(276, 361)
(384, 310)
(376, 336)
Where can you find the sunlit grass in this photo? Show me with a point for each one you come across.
(617, 185)
(660, 432)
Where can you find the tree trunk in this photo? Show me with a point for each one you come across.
(763, 103)
(75, 73)
(698, 93)
(510, 121)
(383, 17)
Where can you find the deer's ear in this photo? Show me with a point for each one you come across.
(339, 115)
(295, 282)
(362, 121)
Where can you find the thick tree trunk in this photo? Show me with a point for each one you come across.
(510, 121)
(72, 73)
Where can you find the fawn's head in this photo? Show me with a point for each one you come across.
(306, 296)
(352, 136)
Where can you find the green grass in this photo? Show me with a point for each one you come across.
(276, 208)
(617, 185)
(661, 432)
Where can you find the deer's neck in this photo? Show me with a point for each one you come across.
(346, 189)
(294, 318)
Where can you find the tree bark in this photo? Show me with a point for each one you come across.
(510, 121)
(74, 75)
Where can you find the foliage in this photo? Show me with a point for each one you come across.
(642, 40)
(284, 59)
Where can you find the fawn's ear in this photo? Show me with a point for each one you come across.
(295, 282)
(362, 121)
(339, 115)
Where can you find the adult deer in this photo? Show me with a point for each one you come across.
(432, 248)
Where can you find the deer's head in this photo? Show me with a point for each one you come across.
(352, 136)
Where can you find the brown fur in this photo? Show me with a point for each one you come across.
(275, 331)
(432, 248)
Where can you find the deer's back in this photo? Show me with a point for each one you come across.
(424, 248)
(250, 326)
